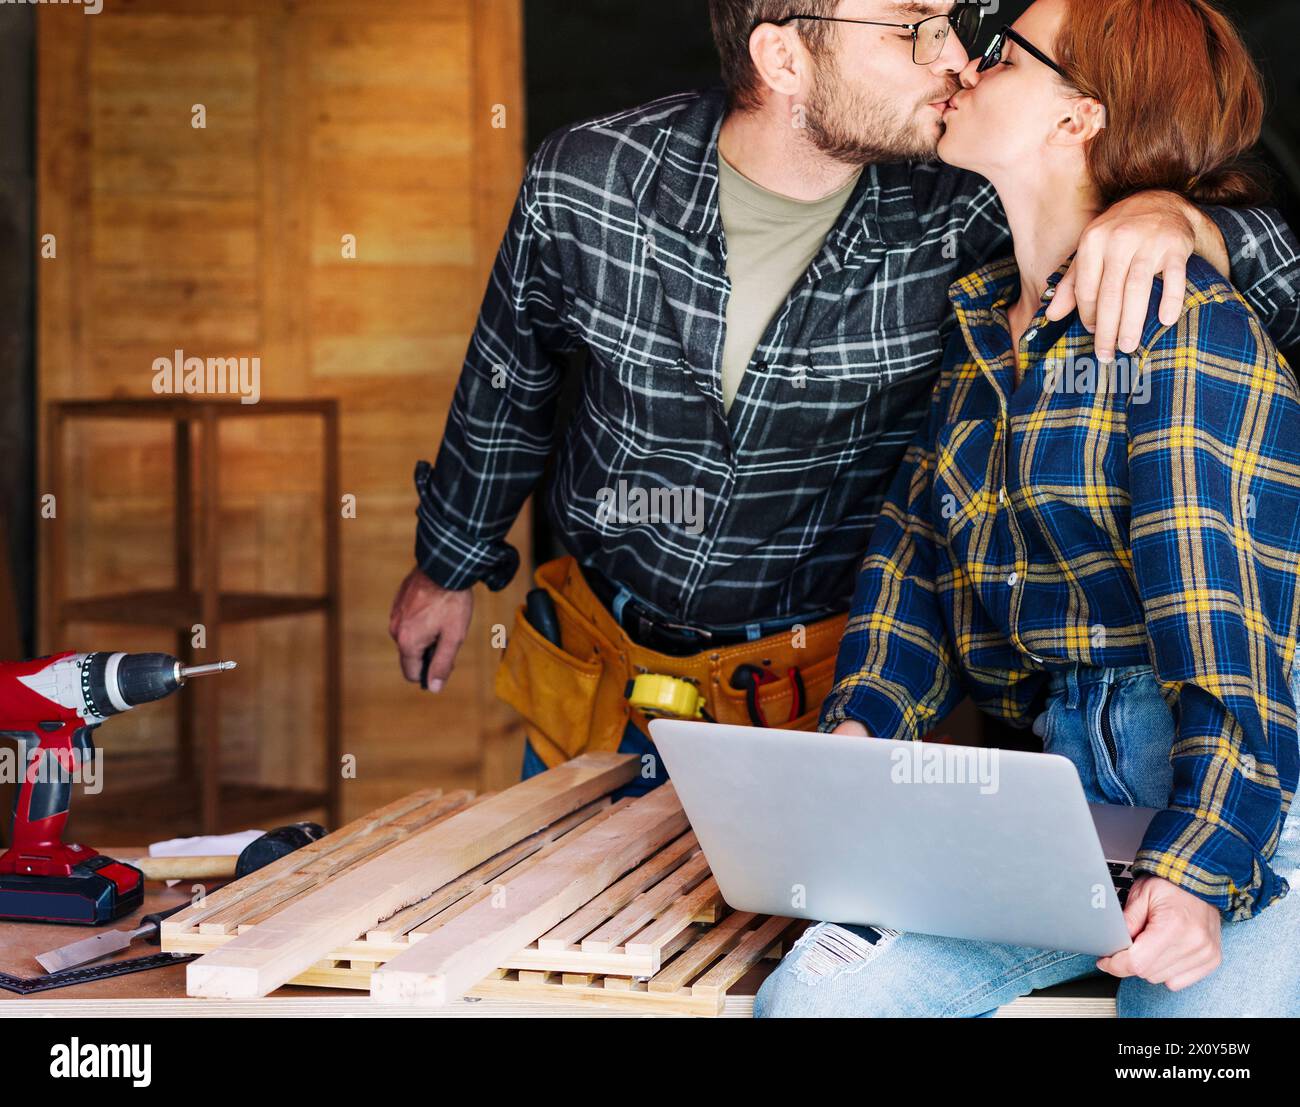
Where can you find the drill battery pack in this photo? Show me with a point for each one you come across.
(99, 890)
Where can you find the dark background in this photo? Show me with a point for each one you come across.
(596, 56)
(584, 59)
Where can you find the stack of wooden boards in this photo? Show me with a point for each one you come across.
(547, 890)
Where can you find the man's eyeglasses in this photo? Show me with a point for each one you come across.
(993, 55)
(929, 37)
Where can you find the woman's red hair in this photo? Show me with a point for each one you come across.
(1184, 100)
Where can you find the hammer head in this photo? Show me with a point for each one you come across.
(274, 844)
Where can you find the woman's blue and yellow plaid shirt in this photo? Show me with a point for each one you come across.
(1145, 513)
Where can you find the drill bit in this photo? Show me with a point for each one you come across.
(203, 670)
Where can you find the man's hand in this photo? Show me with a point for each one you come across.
(425, 614)
(1177, 936)
(1120, 255)
(850, 727)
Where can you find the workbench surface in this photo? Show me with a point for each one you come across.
(160, 993)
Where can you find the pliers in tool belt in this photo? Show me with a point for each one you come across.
(753, 677)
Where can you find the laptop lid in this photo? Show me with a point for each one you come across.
(992, 845)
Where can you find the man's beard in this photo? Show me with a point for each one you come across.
(856, 128)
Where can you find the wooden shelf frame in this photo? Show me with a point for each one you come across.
(197, 596)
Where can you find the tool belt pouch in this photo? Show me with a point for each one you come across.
(573, 698)
(811, 649)
(554, 690)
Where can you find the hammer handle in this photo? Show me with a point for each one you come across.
(185, 868)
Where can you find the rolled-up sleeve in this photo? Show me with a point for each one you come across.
(501, 426)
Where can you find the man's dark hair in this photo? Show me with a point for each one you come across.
(734, 21)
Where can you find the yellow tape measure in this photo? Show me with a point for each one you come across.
(656, 695)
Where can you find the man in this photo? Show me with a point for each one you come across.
(761, 280)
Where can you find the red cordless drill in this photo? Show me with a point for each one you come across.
(50, 705)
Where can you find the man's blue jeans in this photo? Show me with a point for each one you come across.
(652, 772)
(851, 971)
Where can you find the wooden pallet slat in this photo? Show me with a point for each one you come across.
(646, 908)
(291, 941)
(278, 869)
(652, 938)
(525, 865)
(395, 928)
(315, 871)
(604, 992)
(451, 961)
(616, 897)
(650, 933)
(695, 960)
(750, 950)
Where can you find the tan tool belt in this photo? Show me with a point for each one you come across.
(573, 699)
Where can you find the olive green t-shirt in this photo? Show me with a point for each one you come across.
(771, 241)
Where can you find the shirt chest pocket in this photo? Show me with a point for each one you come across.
(639, 386)
(856, 387)
(1075, 454)
(612, 333)
(966, 482)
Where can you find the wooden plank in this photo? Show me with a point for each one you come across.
(634, 996)
(718, 941)
(571, 961)
(457, 909)
(496, 999)
(395, 928)
(740, 960)
(611, 901)
(463, 952)
(340, 839)
(501, 1004)
(674, 919)
(277, 950)
(207, 693)
(649, 906)
(312, 873)
(63, 99)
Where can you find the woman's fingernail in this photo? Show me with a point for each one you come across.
(435, 685)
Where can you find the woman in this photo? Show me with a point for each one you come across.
(1108, 552)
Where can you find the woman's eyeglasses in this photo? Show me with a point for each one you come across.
(929, 37)
(993, 55)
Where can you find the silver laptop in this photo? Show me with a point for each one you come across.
(992, 845)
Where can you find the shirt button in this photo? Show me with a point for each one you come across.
(1002, 495)
(1030, 335)
(1050, 293)
(1013, 579)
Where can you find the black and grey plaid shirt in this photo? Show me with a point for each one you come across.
(616, 245)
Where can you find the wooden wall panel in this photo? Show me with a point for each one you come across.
(227, 241)
(498, 88)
